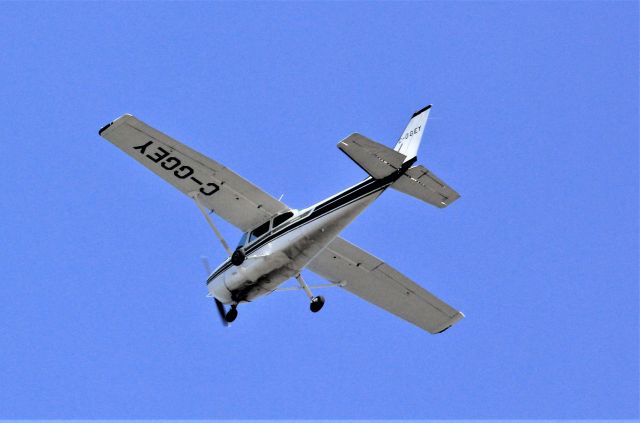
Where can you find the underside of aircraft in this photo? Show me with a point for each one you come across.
(279, 242)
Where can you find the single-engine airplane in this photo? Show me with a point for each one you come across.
(279, 242)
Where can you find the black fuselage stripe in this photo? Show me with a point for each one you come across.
(307, 219)
(361, 190)
(304, 222)
(319, 210)
(356, 193)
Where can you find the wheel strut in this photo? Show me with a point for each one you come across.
(213, 226)
(316, 302)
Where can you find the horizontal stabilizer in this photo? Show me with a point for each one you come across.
(421, 183)
(376, 159)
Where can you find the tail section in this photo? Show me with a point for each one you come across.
(380, 161)
(409, 142)
(418, 181)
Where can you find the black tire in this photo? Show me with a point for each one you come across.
(237, 258)
(316, 304)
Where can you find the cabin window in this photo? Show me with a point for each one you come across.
(259, 231)
(279, 220)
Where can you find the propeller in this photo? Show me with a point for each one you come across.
(221, 311)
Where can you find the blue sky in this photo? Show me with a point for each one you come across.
(535, 123)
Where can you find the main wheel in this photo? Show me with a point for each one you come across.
(237, 258)
(231, 315)
(316, 304)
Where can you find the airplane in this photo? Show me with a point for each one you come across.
(279, 242)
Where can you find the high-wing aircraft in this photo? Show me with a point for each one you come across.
(279, 242)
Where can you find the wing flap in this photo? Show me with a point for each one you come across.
(378, 283)
(219, 189)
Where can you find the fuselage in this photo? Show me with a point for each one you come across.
(283, 251)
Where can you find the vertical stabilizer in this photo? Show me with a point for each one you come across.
(409, 141)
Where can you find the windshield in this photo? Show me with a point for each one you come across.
(259, 231)
(243, 239)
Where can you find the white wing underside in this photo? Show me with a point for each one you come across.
(219, 189)
(378, 283)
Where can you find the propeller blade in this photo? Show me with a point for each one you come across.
(205, 263)
(219, 306)
(221, 311)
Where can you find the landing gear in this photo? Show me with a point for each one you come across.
(316, 302)
(231, 314)
(237, 258)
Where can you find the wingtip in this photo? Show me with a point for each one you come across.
(455, 319)
(104, 128)
(424, 109)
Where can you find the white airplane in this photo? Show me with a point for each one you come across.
(279, 242)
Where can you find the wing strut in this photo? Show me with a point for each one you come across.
(213, 226)
(219, 306)
(298, 288)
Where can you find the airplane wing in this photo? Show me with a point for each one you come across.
(230, 196)
(378, 283)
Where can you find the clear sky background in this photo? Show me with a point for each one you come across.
(535, 123)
